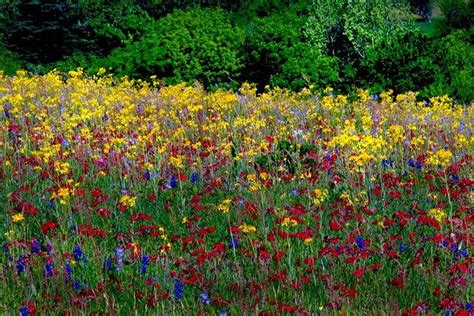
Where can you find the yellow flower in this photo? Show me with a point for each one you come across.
(61, 167)
(247, 229)
(441, 158)
(438, 214)
(18, 217)
(128, 200)
(288, 222)
(319, 196)
(225, 206)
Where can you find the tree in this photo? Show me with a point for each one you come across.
(43, 31)
(363, 23)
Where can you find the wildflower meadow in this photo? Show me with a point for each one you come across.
(122, 196)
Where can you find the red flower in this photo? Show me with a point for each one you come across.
(334, 225)
(398, 282)
(359, 273)
(48, 226)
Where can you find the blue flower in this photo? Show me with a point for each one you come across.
(24, 311)
(7, 113)
(403, 247)
(77, 252)
(387, 163)
(21, 265)
(294, 192)
(470, 307)
(49, 270)
(148, 175)
(233, 243)
(68, 269)
(178, 290)
(76, 285)
(145, 263)
(194, 177)
(119, 253)
(173, 181)
(35, 246)
(204, 298)
(107, 265)
(415, 164)
(360, 242)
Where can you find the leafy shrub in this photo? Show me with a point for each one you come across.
(455, 55)
(9, 61)
(199, 44)
(402, 63)
(278, 54)
(458, 13)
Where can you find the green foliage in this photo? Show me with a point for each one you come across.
(114, 23)
(363, 23)
(9, 61)
(402, 63)
(280, 56)
(455, 55)
(199, 44)
(44, 31)
(458, 13)
(287, 43)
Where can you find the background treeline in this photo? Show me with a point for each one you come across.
(418, 45)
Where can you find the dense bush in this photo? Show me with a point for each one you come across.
(199, 44)
(280, 56)
(455, 56)
(9, 62)
(402, 63)
(458, 13)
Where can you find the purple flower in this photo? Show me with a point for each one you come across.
(204, 298)
(49, 269)
(119, 253)
(21, 265)
(35, 246)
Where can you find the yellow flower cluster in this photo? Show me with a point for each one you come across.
(224, 207)
(437, 213)
(247, 229)
(129, 119)
(319, 195)
(61, 167)
(128, 200)
(441, 158)
(288, 222)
